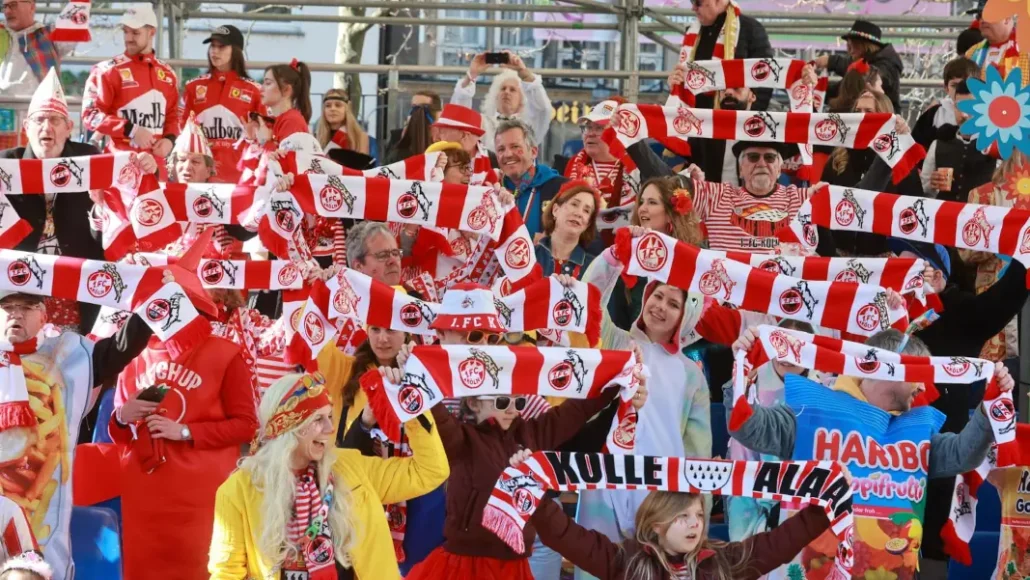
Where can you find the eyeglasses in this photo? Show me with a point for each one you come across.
(9, 6)
(591, 127)
(480, 337)
(22, 307)
(770, 158)
(465, 169)
(387, 254)
(502, 402)
(53, 119)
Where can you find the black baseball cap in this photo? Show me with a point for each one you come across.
(226, 34)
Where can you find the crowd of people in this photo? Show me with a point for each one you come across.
(310, 423)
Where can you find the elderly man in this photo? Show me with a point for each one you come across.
(59, 222)
(133, 98)
(531, 182)
(748, 217)
(596, 164)
(63, 373)
(999, 47)
(372, 250)
(718, 20)
(839, 424)
(26, 49)
(515, 93)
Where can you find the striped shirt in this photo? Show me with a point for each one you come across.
(737, 220)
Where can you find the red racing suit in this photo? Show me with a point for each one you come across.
(222, 103)
(130, 91)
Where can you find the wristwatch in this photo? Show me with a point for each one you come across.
(186, 435)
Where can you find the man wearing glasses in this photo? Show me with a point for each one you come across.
(596, 164)
(60, 223)
(746, 218)
(26, 49)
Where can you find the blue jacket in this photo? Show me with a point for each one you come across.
(575, 266)
(543, 187)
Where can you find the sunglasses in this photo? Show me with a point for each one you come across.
(480, 337)
(769, 157)
(502, 402)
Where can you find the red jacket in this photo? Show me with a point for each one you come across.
(597, 555)
(477, 453)
(287, 124)
(222, 103)
(127, 91)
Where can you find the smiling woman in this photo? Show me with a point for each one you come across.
(569, 230)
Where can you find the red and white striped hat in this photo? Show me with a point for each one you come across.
(467, 306)
(49, 96)
(192, 140)
(464, 118)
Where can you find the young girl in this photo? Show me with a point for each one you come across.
(337, 127)
(286, 91)
(477, 453)
(27, 566)
(671, 541)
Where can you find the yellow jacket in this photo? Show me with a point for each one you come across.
(337, 368)
(372, 481)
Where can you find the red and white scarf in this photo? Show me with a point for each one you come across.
(672, 126)
(987, 228)
(164, 307)
(72, 23)
(616, 190)
(841, 357)
(846, 306)
(961, 524)
(705, 76)
(418, 168)
(434, 373)
(308, 529)
(14, 394)
(236, 274)
(520, 489)
(725, 44)
(902, 274)
(338, 140)
(544, 304)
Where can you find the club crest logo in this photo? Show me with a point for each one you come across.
(504, 312)
(913, 217)
(799, 94)
(626, 122)
(334, 195)
(960, 365)
(314, 329)
(516, 255)
(874, 316)
(756, 125)
(716, 279)
(484, 215)
(207, 204)
(651, 252)
(784, 344)
(412, 201)
(415, 389)
(21, 271)
(569, 309)
(569, 371)
(66, 170)
(765, 68)
(697, 77)
(686, 122)
(288, 275)
(832, 127)
(474, 370)
(149, 212)
(778, 265)
(794, 298)
(286, 214)
(626, 432)
(104, 281)
(976, 229)
(855, 272)
(415, 313)
(848, 210)
(887, 144)
(345, 299)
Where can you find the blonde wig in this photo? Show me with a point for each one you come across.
(270, 472)
(489, 108)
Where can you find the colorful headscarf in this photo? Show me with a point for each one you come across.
(308, 395)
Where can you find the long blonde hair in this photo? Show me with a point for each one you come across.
(655, 515)
(882, 104)
(270, 472)
(355, 134)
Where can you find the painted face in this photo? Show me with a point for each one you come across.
(137, 40)
(334, 112)
(760, 168)
(651, 210)
(191, 168)
(382, 259)
(575, 215)
(514, 154)
(313, 438)
(48, 132)
(271, 94)
(21, 318)
(686, 531)
(663, 310)
(509, 98)
(220, 55)
(385, 343)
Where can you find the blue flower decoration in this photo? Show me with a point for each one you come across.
(999, 112)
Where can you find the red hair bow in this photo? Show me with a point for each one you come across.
(294, 63)
(859, 65)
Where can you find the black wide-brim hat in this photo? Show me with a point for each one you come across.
(786, 150)
(865, 30)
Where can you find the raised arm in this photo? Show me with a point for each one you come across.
(770, 430)
(587, 549)
(559, 424)
(954, 453)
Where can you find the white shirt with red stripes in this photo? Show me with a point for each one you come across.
(737, 220)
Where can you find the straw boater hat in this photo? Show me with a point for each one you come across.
(463, 118)
(467, 306)
(192, 140)
(49, 96)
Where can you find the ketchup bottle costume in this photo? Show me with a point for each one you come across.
(169, 486)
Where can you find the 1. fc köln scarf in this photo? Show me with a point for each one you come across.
(846, 306)
(971, 226)
(704, 76)
(852, 359)
(433, 373)
(417, 168)
(164, 307)
(520, 489)
(673, 126)
(905, 275)
(236, 274)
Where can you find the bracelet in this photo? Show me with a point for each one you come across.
(469, 76)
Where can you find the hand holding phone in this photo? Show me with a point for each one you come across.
(497, 58)
(153, 394)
